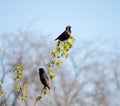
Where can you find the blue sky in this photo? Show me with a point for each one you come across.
(89, 18)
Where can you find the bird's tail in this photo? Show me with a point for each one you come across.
(56, 39)
(49, 88)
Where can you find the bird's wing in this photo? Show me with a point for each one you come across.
(46, 77)
(61, 35)
(47, 80)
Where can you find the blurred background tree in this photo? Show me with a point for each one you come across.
(89, 77)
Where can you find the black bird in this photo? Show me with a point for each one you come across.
(44, 78)
(65, 35)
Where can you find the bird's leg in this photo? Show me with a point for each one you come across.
(43, 91)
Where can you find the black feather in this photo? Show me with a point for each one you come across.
(45, 80)
(65, 35)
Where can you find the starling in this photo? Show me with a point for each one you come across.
(44, 78)
(65, 35)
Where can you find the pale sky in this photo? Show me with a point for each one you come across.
(89, 18)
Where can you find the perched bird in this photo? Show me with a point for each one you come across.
(44, 78)
(65, 35)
